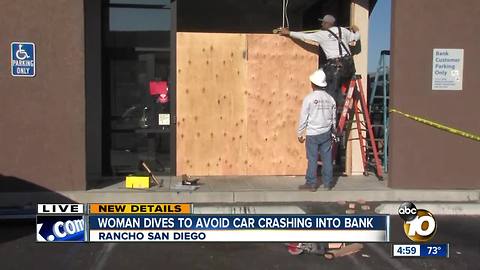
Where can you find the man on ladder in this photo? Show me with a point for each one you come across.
(335, 42)
(339, 68)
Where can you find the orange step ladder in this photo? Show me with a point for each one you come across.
(353, 97)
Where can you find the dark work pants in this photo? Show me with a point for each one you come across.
(319, 145)
(334, 84)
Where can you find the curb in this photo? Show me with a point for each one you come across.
(26, 198)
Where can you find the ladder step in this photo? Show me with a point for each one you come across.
(369, 147)
(377, 140)
(372, 156)
(379, 153)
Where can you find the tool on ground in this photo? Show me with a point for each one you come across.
(378, 106)
(142, 180)
(188, 181)
(350, 108)
(138, 181)
(144, 165)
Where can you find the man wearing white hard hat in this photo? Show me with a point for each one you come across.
(335, 42)
(317, 120)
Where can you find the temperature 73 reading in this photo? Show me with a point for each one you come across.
(433, 250)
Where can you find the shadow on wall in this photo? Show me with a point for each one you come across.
(315, 49)
(306, 46)
(18, 206)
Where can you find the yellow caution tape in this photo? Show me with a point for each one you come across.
(438, 125)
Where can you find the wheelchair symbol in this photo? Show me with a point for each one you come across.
(21, 53)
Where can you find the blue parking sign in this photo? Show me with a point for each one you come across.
(23, 59)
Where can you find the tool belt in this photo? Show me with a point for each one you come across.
(340, 61)
(344, 65)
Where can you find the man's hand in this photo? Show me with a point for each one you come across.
(354, 28)
(284, 31)
(301, 139)
(335, 138)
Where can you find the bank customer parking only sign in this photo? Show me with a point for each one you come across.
(447, 72)
(23, 59)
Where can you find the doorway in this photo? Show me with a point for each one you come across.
(137, 107)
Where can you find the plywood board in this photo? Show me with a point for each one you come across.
(278, 71)
(211, 104)
(237, 111)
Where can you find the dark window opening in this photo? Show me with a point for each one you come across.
(136, 74)
(256, 16)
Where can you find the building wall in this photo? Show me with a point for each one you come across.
(42, 119)
(93, 89)
(422, 156)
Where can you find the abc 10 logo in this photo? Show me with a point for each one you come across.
(419, 224)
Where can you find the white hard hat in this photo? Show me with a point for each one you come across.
(318, 78)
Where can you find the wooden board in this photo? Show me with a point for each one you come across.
(278, 71)
(344, 251)
(237, 112)
(211, 104)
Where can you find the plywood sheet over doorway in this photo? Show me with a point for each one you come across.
(239, 96)
(211, 104)
(278, 71)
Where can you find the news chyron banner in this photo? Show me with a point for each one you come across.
(69, 222)
(177, 223)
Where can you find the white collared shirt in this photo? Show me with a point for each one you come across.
(318, 114)
(327, 41)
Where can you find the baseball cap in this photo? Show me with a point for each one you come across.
(327, 18)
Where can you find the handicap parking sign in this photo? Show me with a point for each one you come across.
(23, 59)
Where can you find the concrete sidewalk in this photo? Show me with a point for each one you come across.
(250, 190)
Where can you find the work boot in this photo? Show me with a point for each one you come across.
(327, 187)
